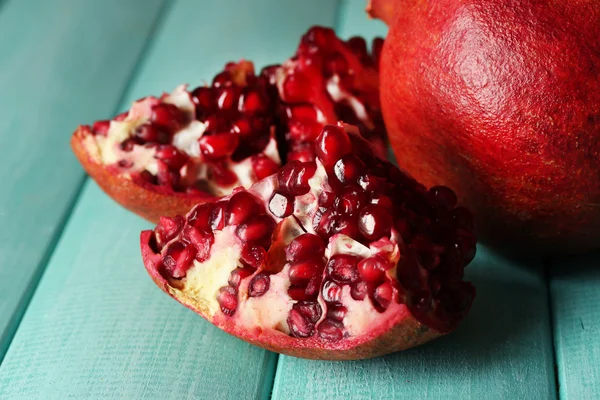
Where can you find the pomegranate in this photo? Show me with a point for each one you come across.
(344, 257)
(500, 100)
(166, 154)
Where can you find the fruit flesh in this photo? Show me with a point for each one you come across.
(499, 100)
(304, 293)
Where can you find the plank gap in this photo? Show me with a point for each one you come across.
(546, 265)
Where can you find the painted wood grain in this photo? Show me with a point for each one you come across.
(97, 326)
(57, 68)
(502, 350)
(575, 289)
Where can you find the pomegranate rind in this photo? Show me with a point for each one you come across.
(400, 332)
(149, 203)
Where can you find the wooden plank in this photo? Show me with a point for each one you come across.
(57, 68)
(502, 350)
(575, 290)
(97, 326)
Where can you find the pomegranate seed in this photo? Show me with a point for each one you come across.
(336, 312)
(101, 127)
(256, 228)
(342, 268)
(204, 100)
(298, 293)
(227, 299)
(330, 330)
(466, 242)
(311, 310)
(376, 50)
(382, 201)
(199, 217)
(222, 79)
(241, 207)
(202, 242)
(128, 144)
(149, 133)
(383, 294)
(168, 228)
(297, 88)
(319, 36)
(281, 205)
(373, 269)
(299, 325)
(463, 218)
(216, 123)
(303, 271)
(358, 46)
(331, 145)
(350, 200)
(217, 216)
(348, 169)
(227, 98)
(332, 292)
(304, 130)
(294, 177)
(167, 117)
(238, 274)
(304, 246)
(253, 255)
(252, 102)
(313, 286)
(371, 183)
(178, 259)
(358, 291)
(421, 300)
(166, 176)
(171, 156)
(125, 164)
(374, 222)
(263, 166)
(336, 64)
(403, 227)
(326, 199)
(409, 273)
(147, 176)
(222, 175)
(259, 285)
(218, 146)
(347, 225)
(443, 196)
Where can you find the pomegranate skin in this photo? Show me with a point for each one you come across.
(500, 100)
(148, 204)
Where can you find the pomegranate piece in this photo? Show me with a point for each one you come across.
(351, 271)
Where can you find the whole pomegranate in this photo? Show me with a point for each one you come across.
(171, 152)
(500, 100)
(343, 257)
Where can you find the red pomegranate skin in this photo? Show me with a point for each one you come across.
(500, 100)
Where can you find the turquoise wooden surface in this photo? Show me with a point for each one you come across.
(97, 327)
(61, 62)
(575, 290)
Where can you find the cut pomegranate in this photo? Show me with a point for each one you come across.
(351, 271)
(167, 154)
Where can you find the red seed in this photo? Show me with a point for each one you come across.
(238, 274)
(218, 146)
(371, 182)
(311, 310)
(167, 117)
(227, 299)
(462, 218)
(347, 225)
(373, 269)
(281, 205)
(241, 207)
(304, 247)
(227, 98)
(263, 166)
(253, 255)
(302, 271)
(150, 133)
(147, 176)
(256, 228)
(252, 102)
(330, 330)
(299, 325)
(336, 64)
(313, 286)
(259, 285)
(374, 222)
(166, 176)
(382, 201)
(326, 199)
(350, 200)
(217, 216)
(331, 145)
(128, 144)
(101, 127)
(171, 156)
(222, 175)
(331, 291)
(348, 169)
(298, 293)
(294, 177)
(443, 196)
(342, 268)
(358, 291)
(383, 294)
(466, 242)
(336, 312)
(168, 228)
(178, 259)
(199, 217)
(202, 242)
(203, 98)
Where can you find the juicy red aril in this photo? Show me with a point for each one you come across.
(331, 291)
(294, 177)
(358, 291)
(228, 98)
(222, 175)
(374, 222)
(326, 199)
(311, 310)
(202, 242)
(128, 144)
(304, 246)
(466, 242)
(382, 201)
(336, 312)
(167, 117)
(253, 255)
(330, 330)
(147, 176)
(178, 259)
(227, 299)
(348, 169)
(373, 269)
(200, 215)
(336, 64)
(281, 205)
(218, 146)
(101, 127)
(443, 196)
(217, 216)
(299, 325)
(302, 271)
(312, 288)
(383, 294)
(150, 133)
(166, 176)
(350, 200)
(259, 285)
(204, 99)
(332, 144)
(263, 166)
(168, 228)
(171, 156)
(256, 228)
(241, 207)
(463, 218)
(347, 225)
(325, 223)
(251, 101)
(342, 268)
(238, 274)
(298, 293)
(358, 46)
(371, 182)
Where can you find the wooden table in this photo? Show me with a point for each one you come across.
(79, 318)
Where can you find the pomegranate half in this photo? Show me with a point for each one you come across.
(166, 154)
(340, 258)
